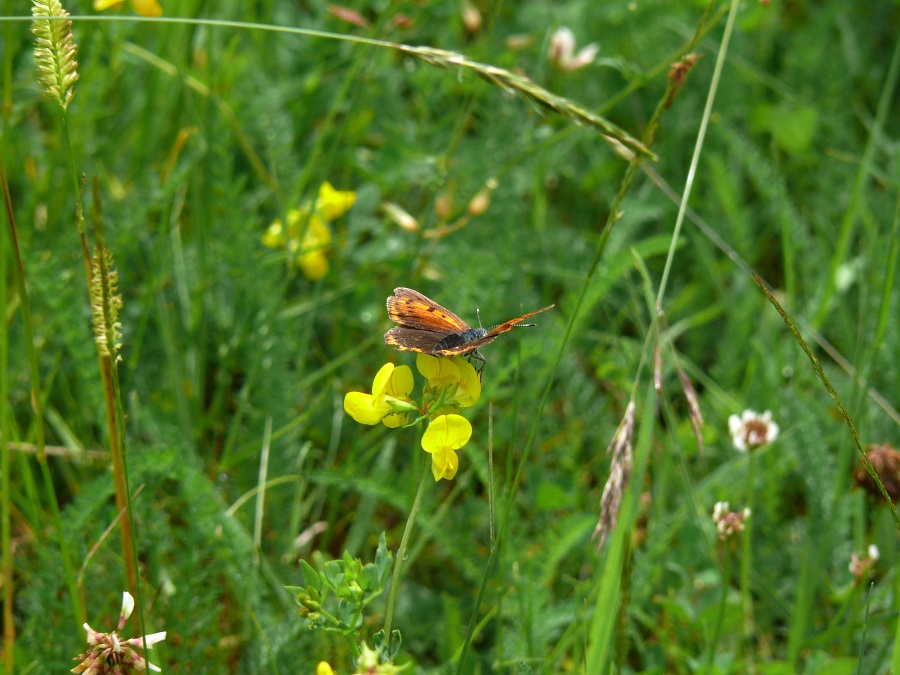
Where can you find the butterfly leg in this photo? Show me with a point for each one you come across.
(477, 356)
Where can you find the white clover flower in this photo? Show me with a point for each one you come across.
(752, 430)
(860, 567)
(109, 653)
(728, 522)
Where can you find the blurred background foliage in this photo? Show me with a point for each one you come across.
(202, 135)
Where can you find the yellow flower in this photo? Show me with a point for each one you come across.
(142, 7)
(443, 437)
(390, 391)
(454, 378)
(324, 668)
(310, 222)
(332, 204)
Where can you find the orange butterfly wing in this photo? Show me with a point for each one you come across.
(512, 323)
(411, 309)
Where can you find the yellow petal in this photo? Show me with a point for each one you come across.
(331, 203)
(401, 382)
(382, 379)
(100, 5)
(364, 409)
(444, 464)
(313, 260)
(446, 431)
(314, 265)
(440, 372)
(147, 7)
(317, 233)
(469, 390)
(324, 668)
(274, 236)
(396, 420)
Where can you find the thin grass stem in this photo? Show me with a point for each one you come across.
(401, 555)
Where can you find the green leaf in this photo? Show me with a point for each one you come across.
(310, 576)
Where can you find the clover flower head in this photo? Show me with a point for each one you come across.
(752, 430)
(885, 461)
(306, 233)
(389, 401)
(444, 436)
(561, 52)
(141, 7)
(728, 522)
(860, 567)
(108, 653)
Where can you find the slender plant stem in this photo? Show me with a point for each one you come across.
(698, 147)
(401, 554)
(112, 397)
(746, 548)
(720, 614)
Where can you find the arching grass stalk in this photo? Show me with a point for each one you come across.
(830, 389)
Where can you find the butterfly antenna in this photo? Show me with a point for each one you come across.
(478, 313)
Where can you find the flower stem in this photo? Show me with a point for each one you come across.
(720, 615)
(746, 550)
(401, 554)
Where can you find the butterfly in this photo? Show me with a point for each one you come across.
(426, 327)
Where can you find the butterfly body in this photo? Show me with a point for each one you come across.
(426, 327)
(457, 340)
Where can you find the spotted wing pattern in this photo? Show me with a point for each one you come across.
(411, 309)
(423, 325)
(413, 339)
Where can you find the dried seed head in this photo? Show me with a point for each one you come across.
(400, 216)
(886, 462)
(619, 473)
(471, 16)
(481, 201)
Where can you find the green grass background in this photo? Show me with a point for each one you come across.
(201, 135)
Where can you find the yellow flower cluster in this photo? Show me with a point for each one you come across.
(306, 234)
(142, 7)
(452, 385)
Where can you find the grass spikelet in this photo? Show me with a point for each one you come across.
(54, 51)
(619, 473)
(522, 86)
(105, 303)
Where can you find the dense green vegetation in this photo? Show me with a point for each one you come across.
(253, 301)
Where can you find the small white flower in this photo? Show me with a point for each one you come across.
(109, 653)
(728, 522)
(752, 430)
(561, 52)
(719, 509)
(860, 567)
(127, 605)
